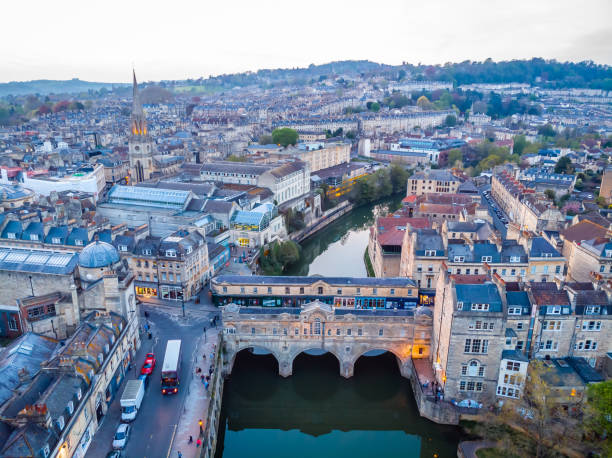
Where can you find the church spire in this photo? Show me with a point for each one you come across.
(139, 122)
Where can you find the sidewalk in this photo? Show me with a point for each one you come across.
(195, 407)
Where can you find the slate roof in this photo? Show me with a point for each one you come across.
(60, 232)
(598, 297)
(486, 293)
(540, 246)
(12, 227)
(514, 355)
(584, 230)
(550, 297)
(398, 282)
(34, 228)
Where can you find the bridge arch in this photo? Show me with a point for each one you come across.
(306, 348)
(246, 346)
(402, 356)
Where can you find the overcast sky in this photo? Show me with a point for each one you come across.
(101, 40)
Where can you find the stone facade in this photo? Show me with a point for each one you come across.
(317, 326)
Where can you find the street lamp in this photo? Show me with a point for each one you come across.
(183, 298)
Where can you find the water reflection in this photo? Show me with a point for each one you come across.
(316, 412)
(338, 249)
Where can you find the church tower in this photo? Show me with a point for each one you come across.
(140, 143)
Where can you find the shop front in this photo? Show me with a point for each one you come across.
(426, 297)
(172, 292)
(145, 289)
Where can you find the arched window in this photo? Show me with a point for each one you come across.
(474, 369)
(317, 326)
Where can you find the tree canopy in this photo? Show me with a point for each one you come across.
(285, 136)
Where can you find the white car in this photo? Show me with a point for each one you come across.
(121, 436)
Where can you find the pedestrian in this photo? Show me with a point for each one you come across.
(204, 357)
(198, 442)
(180, 455)
(206, 386)
(201, 430)
(191, 439)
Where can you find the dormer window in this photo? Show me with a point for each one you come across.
(33, 236)
(479, 307)
(487, 258)
(11, 235)
(592, 310)
(79, 394)
(106, 348)
(189, 250)
(61, 422)
(56, 240)
(608, 253)
(100, 358)
(515, 259)
(123, 248)
(70, 408)
(147, 251)
(460, 305)
(171, 253)
(547, 255)
(78, 242)
(459, 259)
(46, 451)
(430, 252)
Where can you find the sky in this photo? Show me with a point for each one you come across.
(102, 40)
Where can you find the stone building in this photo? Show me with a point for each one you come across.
(175, 267)
(385, 245)
(432, 181)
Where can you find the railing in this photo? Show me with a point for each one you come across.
(209, 438)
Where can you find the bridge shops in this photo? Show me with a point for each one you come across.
(340, 292)
(347, 334)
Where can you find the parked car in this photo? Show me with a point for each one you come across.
(121, 436)
(115, 454)
(150, 358)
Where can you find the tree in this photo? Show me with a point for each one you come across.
(423, 103)
(550, 194)
(399, 178)
(564, 165)
(235, 158)
(294, 220)
(598, 416)
(265, 139)
(278, 256)
(546, 131)
(285, 136)
(450, 121)
(373, 106)
(454, 156)
(520, 142)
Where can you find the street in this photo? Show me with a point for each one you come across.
(154, 428)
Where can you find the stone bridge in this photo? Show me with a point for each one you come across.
(319, 327)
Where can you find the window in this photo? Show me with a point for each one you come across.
(467, 271)
(476, 346)
(242, 290)
(480, 306)
(338, 331)
(358, 291)
(301, 290)
(348, 332)
(485, 346)
(171, 253)
(549, 345)
(533, 269)
(12, 324)
(380, 332)
(459, 305)
(545, 270)
(558, 269)
(392, 291)
(252, 330)
(430, 252)
(592, 310)
(554, 310)
(78, 242)
(515, 259)
(320, 290)
(459, 259)
(287, 290)
(519, 345)
(297, 331)
(486, 258)
(269, 290)
(513, 366)
(339, 291)
(374, 291)
(591, 325)
(503, 271)
(519, 326)
(56, 240)
(514, 310)
(420, 268)
(317, 326)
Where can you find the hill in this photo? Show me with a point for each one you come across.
(44, 87)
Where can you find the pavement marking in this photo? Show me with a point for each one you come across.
(171, 441)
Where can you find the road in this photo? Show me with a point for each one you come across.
(153, 429)
(497, 223)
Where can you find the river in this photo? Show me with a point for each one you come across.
(338, 249)
(315, 412)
